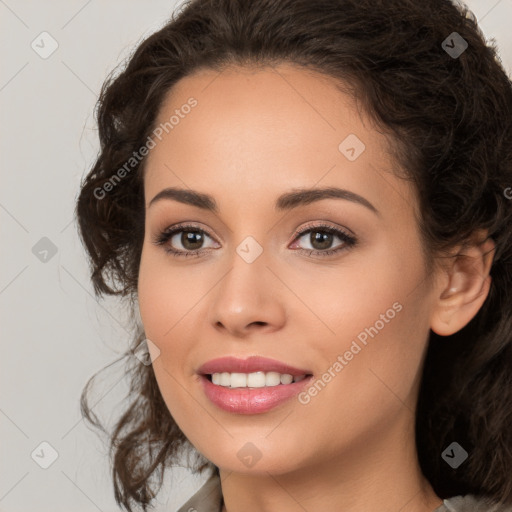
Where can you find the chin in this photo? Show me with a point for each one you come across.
(254, 458)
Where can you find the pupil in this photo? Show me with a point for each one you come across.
(188, 238)
(323, 239)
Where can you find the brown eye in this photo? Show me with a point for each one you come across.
(191, 240)
(183, 240)
(321, 239)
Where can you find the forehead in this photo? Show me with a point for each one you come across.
(284, 104)
(257, 130)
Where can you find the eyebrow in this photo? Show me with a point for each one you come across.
(285, 202)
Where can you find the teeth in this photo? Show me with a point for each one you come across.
(254, 380)
(286, 378)
(238, 380)
(272, 379)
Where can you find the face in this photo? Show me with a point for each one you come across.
(333, 286)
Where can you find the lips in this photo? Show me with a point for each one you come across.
(249, 365)
(247, 400)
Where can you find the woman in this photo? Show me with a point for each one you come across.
(306, 203)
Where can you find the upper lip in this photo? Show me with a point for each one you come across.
(251, 364)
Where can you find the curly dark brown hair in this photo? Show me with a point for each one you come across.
(451, 121)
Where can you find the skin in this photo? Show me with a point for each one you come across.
(255, 134)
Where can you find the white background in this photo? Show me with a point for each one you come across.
(54, 334)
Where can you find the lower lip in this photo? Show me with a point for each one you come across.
(251, 400)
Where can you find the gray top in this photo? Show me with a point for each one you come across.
(209, 499)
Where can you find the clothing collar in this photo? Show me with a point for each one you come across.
(207, 499)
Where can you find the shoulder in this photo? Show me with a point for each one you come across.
(473, 503)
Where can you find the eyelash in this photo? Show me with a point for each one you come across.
(349, 241)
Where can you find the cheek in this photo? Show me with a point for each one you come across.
(154, 299)
(363, 291)
(169, 299)
(164, 293)
(378, 323)
(162, 305)
(369, 383)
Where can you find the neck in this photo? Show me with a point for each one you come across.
(380, 472)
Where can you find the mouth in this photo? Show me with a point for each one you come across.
(253, 385)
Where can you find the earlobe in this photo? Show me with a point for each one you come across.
(465, 287)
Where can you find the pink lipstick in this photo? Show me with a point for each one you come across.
(253, 385)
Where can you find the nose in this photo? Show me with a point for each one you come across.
(247, 300)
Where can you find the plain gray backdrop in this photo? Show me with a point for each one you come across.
(54, 333)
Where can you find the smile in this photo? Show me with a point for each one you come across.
(258, 379)
(251, 386)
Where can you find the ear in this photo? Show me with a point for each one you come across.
(464, 285)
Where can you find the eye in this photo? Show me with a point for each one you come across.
(321, 238)
(191, 239)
